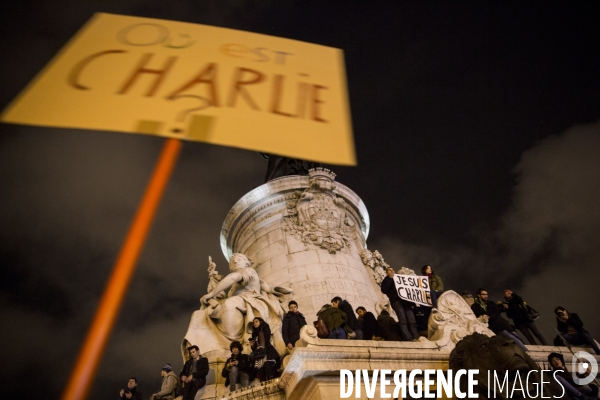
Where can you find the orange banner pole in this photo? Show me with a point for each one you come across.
(89, 357)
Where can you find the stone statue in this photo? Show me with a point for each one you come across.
(453, 319)
(500, 355)
(214, 278)
(223, 320)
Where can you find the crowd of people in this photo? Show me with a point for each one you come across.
(338, 320)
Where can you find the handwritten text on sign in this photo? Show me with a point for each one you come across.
(196, 82)
(413, 288)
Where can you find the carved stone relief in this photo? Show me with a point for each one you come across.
(374, 260)
(454, 319)
(318, 216)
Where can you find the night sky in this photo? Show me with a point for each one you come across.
(477, 129)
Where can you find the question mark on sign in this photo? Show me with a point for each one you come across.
(182, 114)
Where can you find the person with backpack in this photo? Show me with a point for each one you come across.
(335, 320)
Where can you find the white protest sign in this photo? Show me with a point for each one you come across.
(413, 288)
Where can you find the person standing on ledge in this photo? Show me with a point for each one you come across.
(492, 314)
(436, 286)
(292, 323)
(515, 309)
(403, 309)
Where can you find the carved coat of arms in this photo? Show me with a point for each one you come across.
(317, 216)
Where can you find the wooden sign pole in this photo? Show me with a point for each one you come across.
(90, 354)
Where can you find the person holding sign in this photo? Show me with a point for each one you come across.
(403, 309)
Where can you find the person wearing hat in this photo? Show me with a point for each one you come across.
(168, 389)
(131, 393)
(292, 322)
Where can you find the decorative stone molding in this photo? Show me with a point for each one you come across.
(374, 261)
(269, 390)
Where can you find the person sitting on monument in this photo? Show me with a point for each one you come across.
(403, 308)
(389, 328)
(370, 327)
(335, 320)
(266, 357)
(514, 306)
(168, 388)
(574, 391)
(436, 286)
(193, 374)
(292, 322)
(131, 393)
(492, 314)
(238, 368)
(571, 329)
(346, 307)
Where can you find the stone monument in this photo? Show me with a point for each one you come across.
(304, 238)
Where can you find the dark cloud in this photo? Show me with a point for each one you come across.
(545, 247)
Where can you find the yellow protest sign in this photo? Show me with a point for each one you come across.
(196, 82)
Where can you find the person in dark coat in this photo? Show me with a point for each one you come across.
(574, 391)
(514, 306)
(238, 367)
(193, 374)
(571, 328)
(492, 313)
(292, 322)
(131, 393)
(403, 308)
(266, 357)
(370, 327)
(346, 307)
(390, 330)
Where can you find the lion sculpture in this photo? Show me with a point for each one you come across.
(500, 355)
